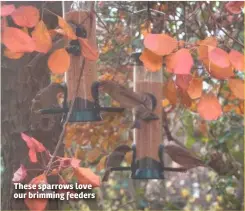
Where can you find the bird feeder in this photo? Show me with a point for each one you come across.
(147, 139)
(147, 147)
(82, 71)
(80, 79)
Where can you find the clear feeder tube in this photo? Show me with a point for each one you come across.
(149, 137)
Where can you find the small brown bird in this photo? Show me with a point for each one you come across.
(45, 98)
(143, 104)
(182, 156)
(114, 159)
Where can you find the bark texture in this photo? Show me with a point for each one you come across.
(20, 83)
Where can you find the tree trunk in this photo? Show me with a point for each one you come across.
(20, 84)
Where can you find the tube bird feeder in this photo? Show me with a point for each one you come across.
(147, 139)
(82, 71)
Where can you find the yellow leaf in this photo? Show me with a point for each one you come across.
(67, 28)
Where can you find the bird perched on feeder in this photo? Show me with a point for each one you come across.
(114, 159)
(143, 104)
(45, 98)
(182, 156)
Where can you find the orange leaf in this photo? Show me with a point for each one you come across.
(234, 7)
(217, 72)
(101, 165)
(36, 204)
(87, 51)
(181, 62)
(237, 87)
(93, 155)
(160, 44)
(209, 107)
(67, 28)
(195, 88)
(17, 41)
(128, 157)
(170, 92)
(86, 176)
(151, 61)
(7, 9)
(237, 60)
(219, 58)
(184, 98)
(183, 81)
(59, 61)
(206, 45)
(26, 16)
(165, 103)
(42, 38)
(12, 55)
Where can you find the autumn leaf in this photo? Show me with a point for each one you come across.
(170, 92)
(209, 107)
(12, 55)
(93, 155)
(152, 61)
(17, 41)
(184, 98)
(219, 73)
(87, 176)
(37, 204)
(205, 46)
(183, 81)
(87, 51)
(42, 38)
(67, 28)
(7, 9)
(237, 60)
(234, 7)
(101, 165)
(195, 88)
(20, 174)
(34, 147)
(181, 62)
(59, 61)
(128, 157)
(165, 103)
(26, 16)
(219, 58)
(160, 44)
(237, 87)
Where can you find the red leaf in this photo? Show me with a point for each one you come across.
(87, 51)
(42, 38)
(20, 174)
(86, 176)
(237, 87)
(7, 9)
(181, 62)
(219, 58)
(183, 81)
(17, 41)
(37, 204)
(26, 16)
(237, 60)
(209, 107)
(34, 147)
(235, 7)
(160, 44)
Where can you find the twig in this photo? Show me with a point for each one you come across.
(66, 122)
(220, 27)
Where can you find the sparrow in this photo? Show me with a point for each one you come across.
(182, 156)
(114, 159)
(45, 98)
(142, 104)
